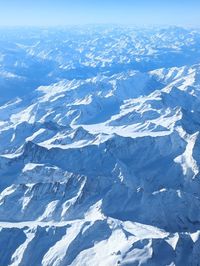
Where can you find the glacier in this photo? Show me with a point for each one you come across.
(100, 146)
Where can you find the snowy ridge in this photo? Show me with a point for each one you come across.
(99, 148)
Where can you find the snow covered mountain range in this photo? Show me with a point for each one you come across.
(100, 146)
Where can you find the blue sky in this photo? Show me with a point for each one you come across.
(65, 12)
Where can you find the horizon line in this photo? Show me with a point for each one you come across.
(123, 25)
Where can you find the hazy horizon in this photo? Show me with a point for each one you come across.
(84, 12)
